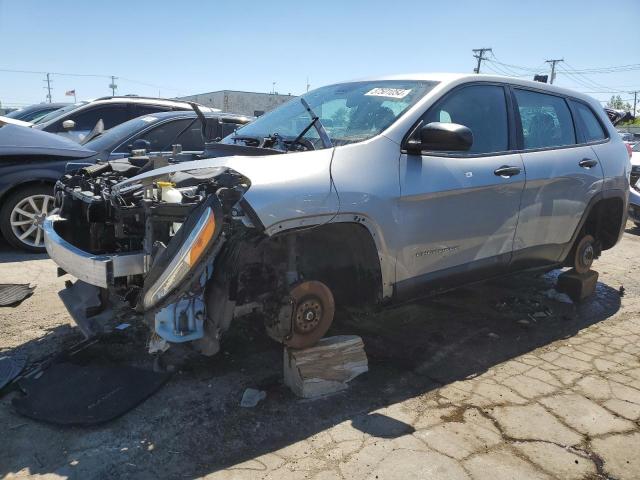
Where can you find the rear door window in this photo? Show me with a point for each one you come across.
(481, 108)
(191, 139)
(546, 120)
(160, 137)
(591, 128)
(111, 116)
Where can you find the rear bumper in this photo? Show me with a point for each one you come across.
(98, 270)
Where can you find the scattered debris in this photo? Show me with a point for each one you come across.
(251, 397)
(553, 294)
(157, 344)
(11, 294)
(69, 394)
(531, 307)
(621, 291)
(10, 368)
(123, 326)
(326, 367)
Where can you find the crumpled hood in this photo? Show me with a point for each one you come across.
(268, 169)
(17, 140)
(282, 187)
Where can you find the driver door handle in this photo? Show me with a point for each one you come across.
(507, 171)
(587, 163)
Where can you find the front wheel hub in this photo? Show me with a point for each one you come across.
(313, 311)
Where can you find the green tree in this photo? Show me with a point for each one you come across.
(619, 104)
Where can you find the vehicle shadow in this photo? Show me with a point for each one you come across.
(194, 425)
(9, 254)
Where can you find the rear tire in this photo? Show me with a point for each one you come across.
(22, 215)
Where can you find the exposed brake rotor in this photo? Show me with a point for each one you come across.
(312, 313)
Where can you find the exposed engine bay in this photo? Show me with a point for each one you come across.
(205, 255)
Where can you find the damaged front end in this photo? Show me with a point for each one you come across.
(152, 243)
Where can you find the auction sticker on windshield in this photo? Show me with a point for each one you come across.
(388, 92)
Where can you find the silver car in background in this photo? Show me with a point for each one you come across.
(367, 192)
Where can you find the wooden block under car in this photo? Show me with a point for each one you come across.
(326, 367)
(577, 285)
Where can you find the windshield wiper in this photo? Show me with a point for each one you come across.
(315, 122)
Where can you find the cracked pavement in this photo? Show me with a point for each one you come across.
(460, 387)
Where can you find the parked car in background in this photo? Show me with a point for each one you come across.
(634, 191)
(36, 159)
(33, 113)
(76, 123)
(374, 191)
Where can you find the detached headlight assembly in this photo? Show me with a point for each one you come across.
(188, 255)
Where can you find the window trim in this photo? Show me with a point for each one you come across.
(566, 98)
(511, 124)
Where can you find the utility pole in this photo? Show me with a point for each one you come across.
(113, 86)
(48, 87)
(635, 101)
(479, 54)
(308, 84)
(553, 68)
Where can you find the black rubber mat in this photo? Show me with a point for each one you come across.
(11, 294)
(10, 367)
(69, 394)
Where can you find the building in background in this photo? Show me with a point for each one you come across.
(243, 103)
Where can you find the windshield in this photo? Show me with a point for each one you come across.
(60, 111)
(349, 112)
(111, 138)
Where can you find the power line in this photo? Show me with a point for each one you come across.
(479, 54)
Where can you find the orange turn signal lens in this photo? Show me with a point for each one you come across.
(202, 240)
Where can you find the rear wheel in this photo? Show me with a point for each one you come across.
(584, 254)
(22, 215)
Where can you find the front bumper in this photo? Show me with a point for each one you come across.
(94, 269)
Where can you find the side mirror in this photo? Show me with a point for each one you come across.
(442, 137)
(140, 144)
(68, 124)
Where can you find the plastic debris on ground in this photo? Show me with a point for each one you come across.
(70, 394)
(11, 294)
(251, 397)
(157, 344)
(553, 294)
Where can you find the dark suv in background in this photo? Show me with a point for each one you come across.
(76, 123)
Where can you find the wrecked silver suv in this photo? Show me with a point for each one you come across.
(366, 192)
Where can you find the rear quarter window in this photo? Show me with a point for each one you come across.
(590, 127)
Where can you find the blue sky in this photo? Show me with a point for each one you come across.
(189, 46)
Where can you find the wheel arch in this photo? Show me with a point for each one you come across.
(349, 244)
(26, 184)
(604, 218)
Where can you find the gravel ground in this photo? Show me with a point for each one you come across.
(465, 385)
